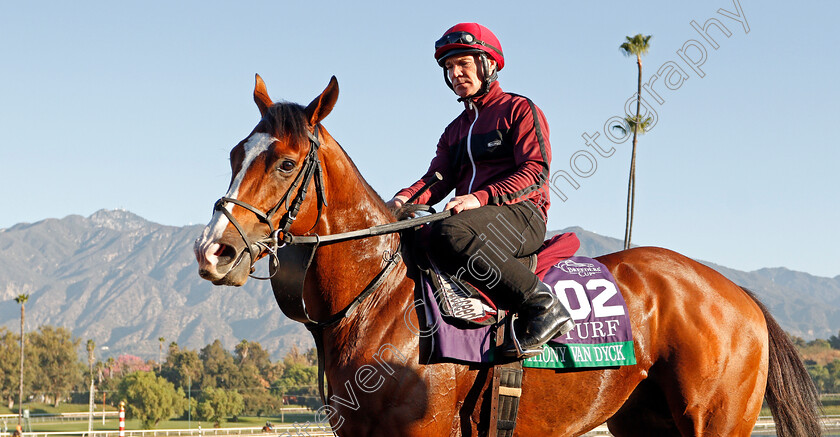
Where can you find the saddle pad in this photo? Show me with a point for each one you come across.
(601, 338)
(466, 306)
(449, 340)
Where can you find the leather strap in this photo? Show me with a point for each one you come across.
(506, 391)
(317, 328)
(492, 429)
(387, 228)
(510, 390)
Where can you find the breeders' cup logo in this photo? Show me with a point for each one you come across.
(576, 268)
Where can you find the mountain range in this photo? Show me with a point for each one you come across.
(124, 282)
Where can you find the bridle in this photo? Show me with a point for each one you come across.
(271, 242)
(296, 252)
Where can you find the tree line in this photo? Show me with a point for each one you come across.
(212, 383)
(209, 384)
(822, 360)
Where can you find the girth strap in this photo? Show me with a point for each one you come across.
(506, 389)
(510, 390)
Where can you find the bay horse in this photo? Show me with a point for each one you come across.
(707, 351)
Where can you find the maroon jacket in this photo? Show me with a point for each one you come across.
(508, 158)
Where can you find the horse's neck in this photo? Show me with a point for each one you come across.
(352, 203)
(342, 270)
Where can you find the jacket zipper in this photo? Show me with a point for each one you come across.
(469, 147)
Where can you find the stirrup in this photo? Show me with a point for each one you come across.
(521, 354)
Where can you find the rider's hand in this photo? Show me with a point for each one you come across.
(462, 203)
(396, 203)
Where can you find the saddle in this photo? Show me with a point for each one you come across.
(463, 305)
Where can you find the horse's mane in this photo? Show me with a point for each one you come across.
(286, 119)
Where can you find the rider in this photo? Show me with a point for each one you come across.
(496, 156)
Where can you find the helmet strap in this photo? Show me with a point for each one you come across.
(446, 78)
(486, 78)
(489, 77)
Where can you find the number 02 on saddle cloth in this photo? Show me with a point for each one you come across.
(602, 336)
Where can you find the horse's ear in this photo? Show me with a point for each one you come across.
(261, 96)
(323, 104)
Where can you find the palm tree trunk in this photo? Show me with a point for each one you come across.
(20, 392)
(91, 346)
(631, 184)
(629, 198)
(90, 406)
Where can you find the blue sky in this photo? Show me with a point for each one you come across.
(135, 106)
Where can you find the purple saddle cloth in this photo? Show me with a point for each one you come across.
(602, 336)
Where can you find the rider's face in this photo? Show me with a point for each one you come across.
(463, 73)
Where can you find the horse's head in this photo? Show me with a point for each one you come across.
(272, 169)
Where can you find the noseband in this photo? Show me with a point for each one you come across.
(271, 242)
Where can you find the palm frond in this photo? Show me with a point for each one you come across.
(633, 124)
(636, 45)
(637, 124)
(620, 128)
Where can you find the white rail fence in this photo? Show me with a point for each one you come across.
(62, 417)
(302, 430)
(764, 426)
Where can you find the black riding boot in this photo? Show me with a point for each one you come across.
(541, 317)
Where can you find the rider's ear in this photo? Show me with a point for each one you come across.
(261, 96)
(323, 104)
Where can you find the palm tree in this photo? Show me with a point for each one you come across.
(21, 299)
(160, 352)
(91, 361)
(634, 46)
(109, 363)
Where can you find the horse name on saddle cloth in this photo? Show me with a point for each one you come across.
(602, 336)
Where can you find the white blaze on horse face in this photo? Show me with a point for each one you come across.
(206, 245)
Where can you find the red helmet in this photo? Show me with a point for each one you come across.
(469, 38)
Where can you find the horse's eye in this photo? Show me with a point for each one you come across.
(286, 166)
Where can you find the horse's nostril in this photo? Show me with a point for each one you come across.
(226, 254)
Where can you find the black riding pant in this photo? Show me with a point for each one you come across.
(481, 245)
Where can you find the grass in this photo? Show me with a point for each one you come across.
(820, 355)
(830, 403)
